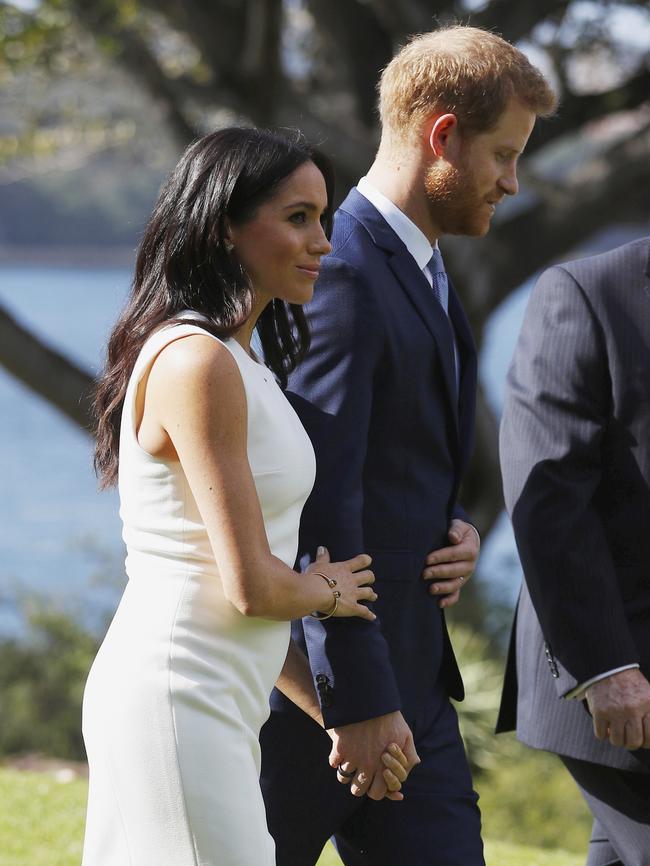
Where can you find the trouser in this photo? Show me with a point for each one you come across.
(619, 801)
(437, 823)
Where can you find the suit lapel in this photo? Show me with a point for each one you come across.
(417, 288)
(415, 285)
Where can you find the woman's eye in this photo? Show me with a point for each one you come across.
(299, 217)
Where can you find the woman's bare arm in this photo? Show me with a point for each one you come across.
(296, 683)
(194, 410)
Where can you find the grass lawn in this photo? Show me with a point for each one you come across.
(496, 854)
(41, 819)
(41, 824)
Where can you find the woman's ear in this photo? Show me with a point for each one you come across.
(227, 240)
(442, 132)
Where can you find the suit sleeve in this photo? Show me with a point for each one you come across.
(551, 443)
(332, 391)
(458, 512)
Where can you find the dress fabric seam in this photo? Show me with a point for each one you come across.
(121, 813)
(169, 691)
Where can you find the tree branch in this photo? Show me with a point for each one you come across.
(413, 16)
(216, 28)
(260, 62)
(47, 372)
(362, 45)
(578, 109)
(513, 19)
(101, 19)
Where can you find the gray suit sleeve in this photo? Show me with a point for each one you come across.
(554, 420)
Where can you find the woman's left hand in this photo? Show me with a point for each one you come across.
(395, 771)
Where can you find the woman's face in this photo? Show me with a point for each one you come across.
(282, 245)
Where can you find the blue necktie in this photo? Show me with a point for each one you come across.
(440, 284)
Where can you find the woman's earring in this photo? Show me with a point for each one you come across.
(229, 246)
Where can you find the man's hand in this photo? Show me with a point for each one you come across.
(620, 706)
(360, 747)
(449, 567)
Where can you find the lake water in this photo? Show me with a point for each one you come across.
(58, 535)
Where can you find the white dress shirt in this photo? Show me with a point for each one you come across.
(413, 238)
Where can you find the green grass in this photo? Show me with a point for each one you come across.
(41, 824)
(496, 854)
(41, 820)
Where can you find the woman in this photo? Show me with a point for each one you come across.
(213, 469)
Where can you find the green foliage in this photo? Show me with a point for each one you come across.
(526, 796)
(41, 36)
(530, 798)
(42, 678)
(483, 677)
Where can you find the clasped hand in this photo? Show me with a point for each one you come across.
(381, 753)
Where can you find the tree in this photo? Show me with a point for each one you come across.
(314, 64)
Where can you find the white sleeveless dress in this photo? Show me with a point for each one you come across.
(179, 689)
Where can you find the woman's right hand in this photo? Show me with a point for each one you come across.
(353, 580)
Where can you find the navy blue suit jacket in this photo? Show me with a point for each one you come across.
(378, 396)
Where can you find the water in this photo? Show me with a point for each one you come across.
(58, 535)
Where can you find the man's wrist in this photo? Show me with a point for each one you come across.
(578, 692)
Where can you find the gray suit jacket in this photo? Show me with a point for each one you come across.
(575, 455)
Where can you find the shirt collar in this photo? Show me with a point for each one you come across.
(411, 236)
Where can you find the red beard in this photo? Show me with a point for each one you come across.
(455, 204)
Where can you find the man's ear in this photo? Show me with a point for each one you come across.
(442, 132)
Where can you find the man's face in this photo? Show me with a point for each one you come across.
(464, 189)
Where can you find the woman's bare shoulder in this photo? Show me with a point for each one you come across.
(196, 368)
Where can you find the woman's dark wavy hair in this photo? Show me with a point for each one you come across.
(183, 264)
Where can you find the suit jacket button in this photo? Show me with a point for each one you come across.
(324, 689)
